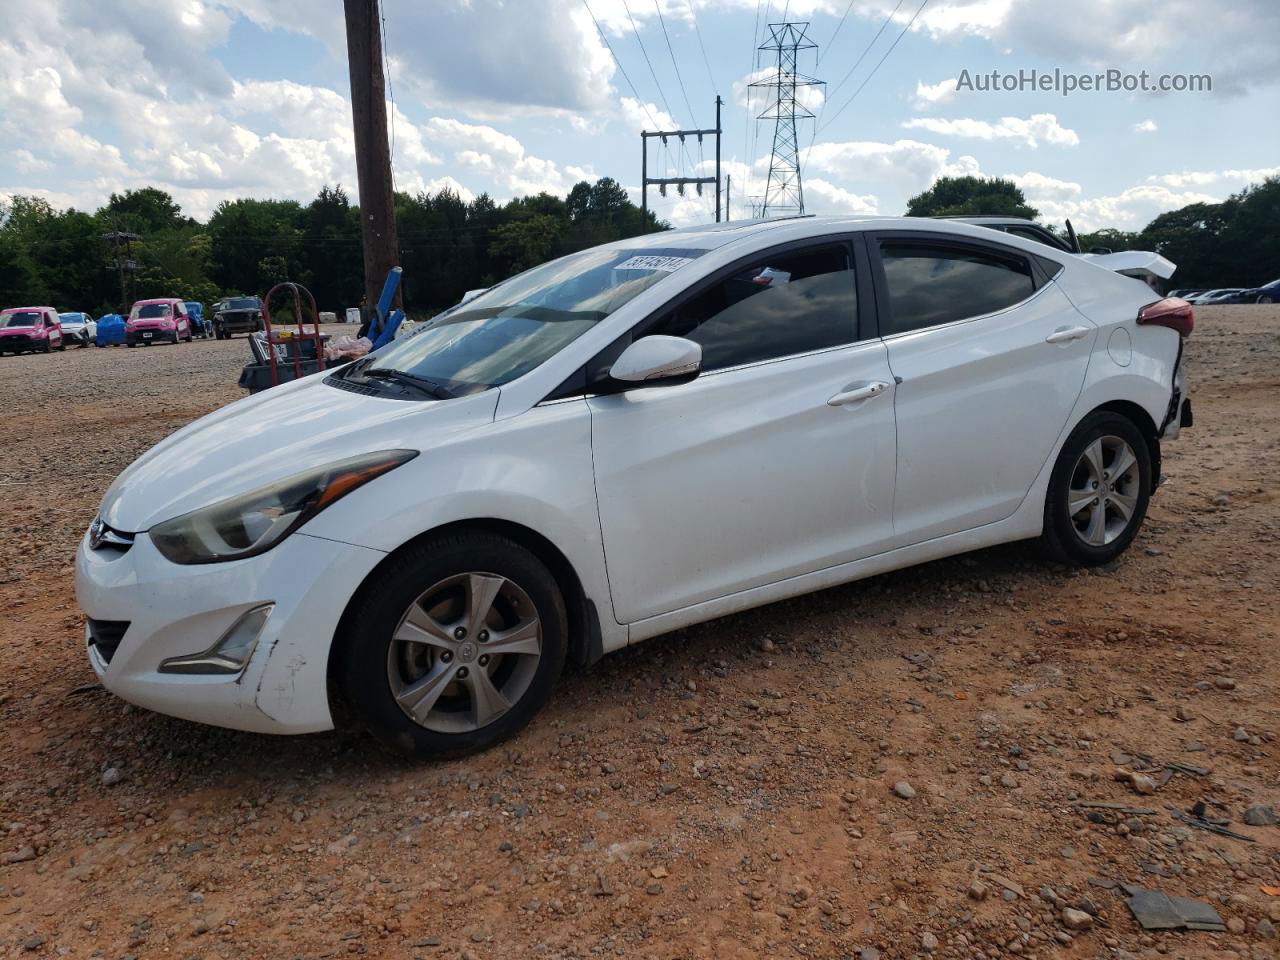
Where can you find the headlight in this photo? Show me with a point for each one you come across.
(253, 523)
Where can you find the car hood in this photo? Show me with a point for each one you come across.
(275, 434)
(10, 331)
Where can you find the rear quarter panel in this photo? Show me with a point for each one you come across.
(1130, 362)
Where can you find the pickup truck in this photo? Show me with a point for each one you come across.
(236, 315)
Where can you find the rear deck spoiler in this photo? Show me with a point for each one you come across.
(1141, 264)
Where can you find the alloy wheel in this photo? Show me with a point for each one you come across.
(465, 652)
(1103, 495)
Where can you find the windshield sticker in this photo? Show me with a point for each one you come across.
(665, 264)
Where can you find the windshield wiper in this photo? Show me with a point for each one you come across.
(429, 387)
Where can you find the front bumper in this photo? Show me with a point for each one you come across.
(173, 610)
(148, 336)
(18, 342)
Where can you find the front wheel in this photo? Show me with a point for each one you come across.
(456, 647)
(1266, 298)
(1099, 491)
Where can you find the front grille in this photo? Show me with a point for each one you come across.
(105, 636)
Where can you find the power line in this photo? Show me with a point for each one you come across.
(914, 16)
(832, 91)
(835, 34)
(862, 56)
(679, 79)
(653, 73)
(621, 69)
(710, 76)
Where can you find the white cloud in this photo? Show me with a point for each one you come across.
(1204, 178)
(903, 167)
(1029, 131)
(645, 116)
(1145, 126)
(823, 196)
(929, 95)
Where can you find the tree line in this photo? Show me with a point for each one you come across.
(1235, 243)
(68, 258)
(63, 258)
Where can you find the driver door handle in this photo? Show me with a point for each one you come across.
(862, 390)
(1065, 334)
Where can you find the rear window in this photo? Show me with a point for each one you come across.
(934, 284)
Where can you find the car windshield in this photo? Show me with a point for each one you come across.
(20, 318)
(149, 311)
(516, 326)
(243, 303)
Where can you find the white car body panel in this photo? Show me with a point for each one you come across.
(671, 504)
(994, 363)
(679, 468)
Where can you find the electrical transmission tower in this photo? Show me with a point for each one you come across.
(784, 193)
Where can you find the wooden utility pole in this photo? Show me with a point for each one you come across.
(373, 156)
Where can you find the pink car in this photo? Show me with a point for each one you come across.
(24, 329)
(155, 321)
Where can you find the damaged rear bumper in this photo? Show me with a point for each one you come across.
(171, 611)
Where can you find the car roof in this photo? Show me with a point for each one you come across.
(16, 309)
(712, 236)
(158, 300)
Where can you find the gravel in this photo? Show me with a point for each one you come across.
(785, 732)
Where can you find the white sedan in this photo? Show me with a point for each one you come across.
(619, 443)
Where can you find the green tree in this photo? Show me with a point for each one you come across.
(971, 196)
(146, 211)
(526, 242)
(243, 232)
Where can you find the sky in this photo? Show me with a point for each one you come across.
(217, 99)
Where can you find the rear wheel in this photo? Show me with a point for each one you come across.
(1099, 491)
(455, 648)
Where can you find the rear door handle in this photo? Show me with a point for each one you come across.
(1065, 334)
(863, 390)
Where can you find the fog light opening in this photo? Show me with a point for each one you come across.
(231, 652)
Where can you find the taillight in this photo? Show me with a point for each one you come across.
(1172, 312)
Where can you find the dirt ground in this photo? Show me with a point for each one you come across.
(727, 791)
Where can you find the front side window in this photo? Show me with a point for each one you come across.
(519, 324)
(790, 303)
(933, 284)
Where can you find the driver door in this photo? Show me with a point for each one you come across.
(757, 470)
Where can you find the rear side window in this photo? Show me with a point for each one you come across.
(794, 302)
(932, 284)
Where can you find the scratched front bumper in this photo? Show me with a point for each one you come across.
(173, 610)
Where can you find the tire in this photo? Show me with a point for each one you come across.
(62, 344)
(1266, 298)
(1104, 525)
(48, 347)
(434, 581)
(130, 345)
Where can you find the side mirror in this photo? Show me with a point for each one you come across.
(658, 360)
(1101, 250)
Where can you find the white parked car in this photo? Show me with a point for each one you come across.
(622, 442)
(78, 328)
